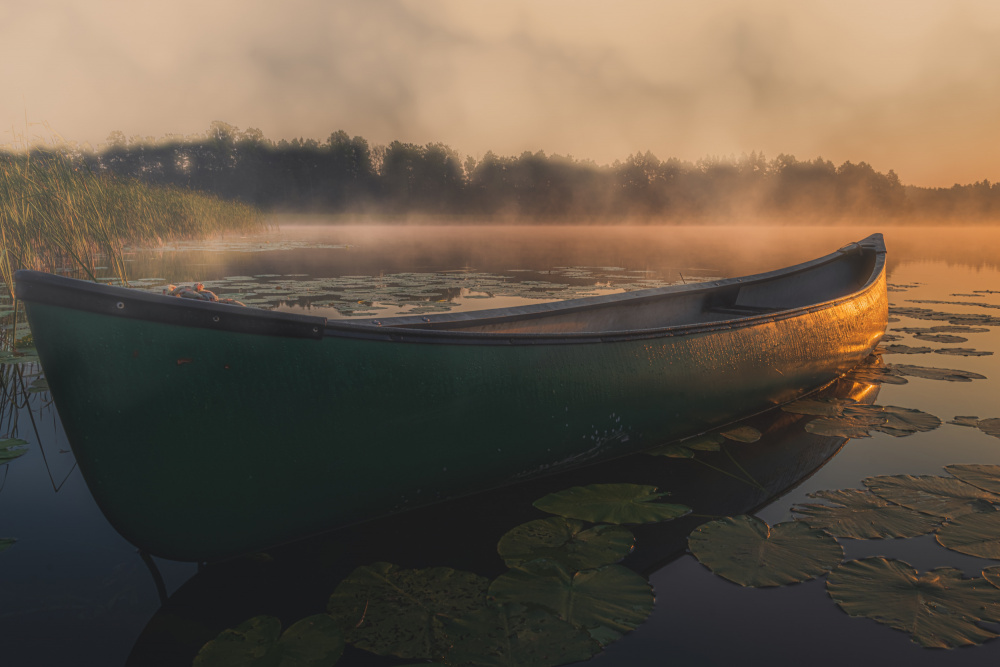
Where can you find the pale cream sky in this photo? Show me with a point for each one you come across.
(910, 85)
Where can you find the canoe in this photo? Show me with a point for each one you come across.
(207, 430)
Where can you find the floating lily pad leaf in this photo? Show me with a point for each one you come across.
(611, 503)
(902, 421)
(978, 304)
(746, 551)
(946, 497)
(842, 427)
(990, 426)
(992, 575)
(566, 541)
(741, 434)
(38, 386)
(906, 349)
(939, 609)
(856, 421)
(965, 420)
(919, 313)
(11, 448)
(866, 374)
(21, 356)
(980, 475)
(973, 534)
(315, 641)
(942, 328)
(963, 352)
(864, 516)
(388, 610)
(6, 543)
(940, 338)
(930, 373)
(671, 451)
(710, 442)
(607, 602)
(512, 635)
(823, 407)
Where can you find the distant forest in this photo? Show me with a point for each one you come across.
(345, 174)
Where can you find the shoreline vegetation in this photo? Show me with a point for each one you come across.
(396, 182)
(56, 212)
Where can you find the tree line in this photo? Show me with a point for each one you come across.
(344, 174)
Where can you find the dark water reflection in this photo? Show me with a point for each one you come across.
(73, 592)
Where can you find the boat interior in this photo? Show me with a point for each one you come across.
(808, 284)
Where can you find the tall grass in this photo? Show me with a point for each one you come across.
(55, 212)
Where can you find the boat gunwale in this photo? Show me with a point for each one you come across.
(40, 287)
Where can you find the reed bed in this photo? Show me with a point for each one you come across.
(56, 213)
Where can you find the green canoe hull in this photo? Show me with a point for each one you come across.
(202, 444)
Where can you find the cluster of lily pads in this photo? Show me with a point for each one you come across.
(563, 599)
(414, 293)
(941, 608)
(958, 319)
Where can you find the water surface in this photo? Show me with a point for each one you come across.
(74, 592)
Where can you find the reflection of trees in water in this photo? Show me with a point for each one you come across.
(346, 174)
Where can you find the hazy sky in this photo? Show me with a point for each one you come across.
(909, 85)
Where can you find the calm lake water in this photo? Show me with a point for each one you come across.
(73, 592)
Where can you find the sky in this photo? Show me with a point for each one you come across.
(912, 86)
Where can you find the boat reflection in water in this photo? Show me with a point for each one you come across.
(295, 581)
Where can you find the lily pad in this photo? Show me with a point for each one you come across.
(862, 515)
(973, 534)
(980, 475)
(389, 611)
(11, 448)
(611, 503)
(939, 609)
(607, 602)
(741, 434)
(512, 635)
(857, 420)
(990, 426)
(672, 451)
(711, 442)
(963, 352)
(946, 497)
(898, 421)
(906, 349)
(930, 373)
(38, 386)
(566, 541)
(21, 356)
(867, 374)
(315, 641)
(822, 407)
(943, 328)
(6, 543)
(748, 552)
(992, 575)
(843, 427)
(940, 338)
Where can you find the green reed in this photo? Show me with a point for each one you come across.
(55, 212)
